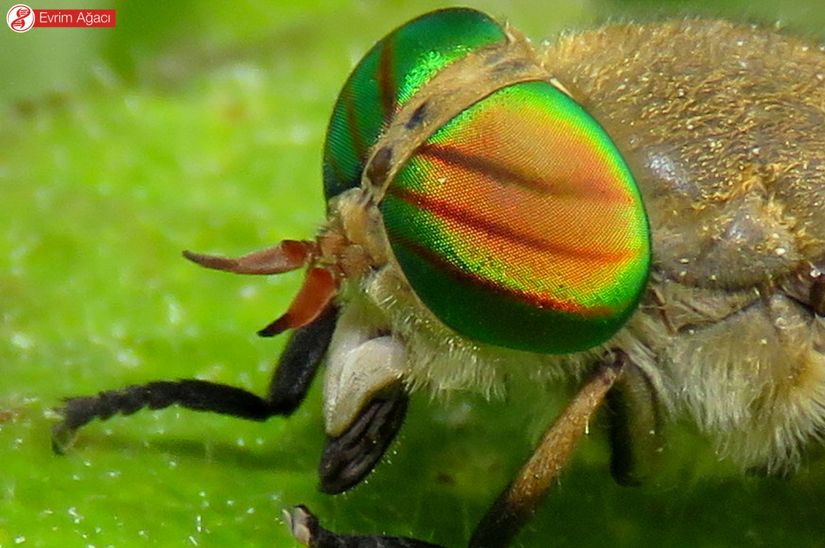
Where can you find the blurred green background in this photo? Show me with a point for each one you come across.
(199, 124)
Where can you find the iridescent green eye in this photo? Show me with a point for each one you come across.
(387, 77)
(518, 223)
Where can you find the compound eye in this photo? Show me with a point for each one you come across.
(387, 77)
(519, 224)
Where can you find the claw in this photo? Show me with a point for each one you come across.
(301, 523)
(63, 437)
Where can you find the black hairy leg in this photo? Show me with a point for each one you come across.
(290, 382)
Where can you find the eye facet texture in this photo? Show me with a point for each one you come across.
(519, 224)
(385, 79)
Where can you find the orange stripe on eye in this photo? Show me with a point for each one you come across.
(494, 169)
(485, 166)
(478, 223)
(536, 299)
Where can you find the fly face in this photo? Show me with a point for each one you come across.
(638, 205)
(491, 212)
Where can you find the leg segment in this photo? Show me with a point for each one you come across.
(291, 381)
(519, 501)
(634, 427)
(299, 362)
(306, 529)
(350, 457)
(364, 399)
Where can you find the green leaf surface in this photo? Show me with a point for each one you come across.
(199, 125)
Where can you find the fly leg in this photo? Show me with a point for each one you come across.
(306, 530)
(291, 380)
(634, 427)
(518, 502)
(365, 401)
